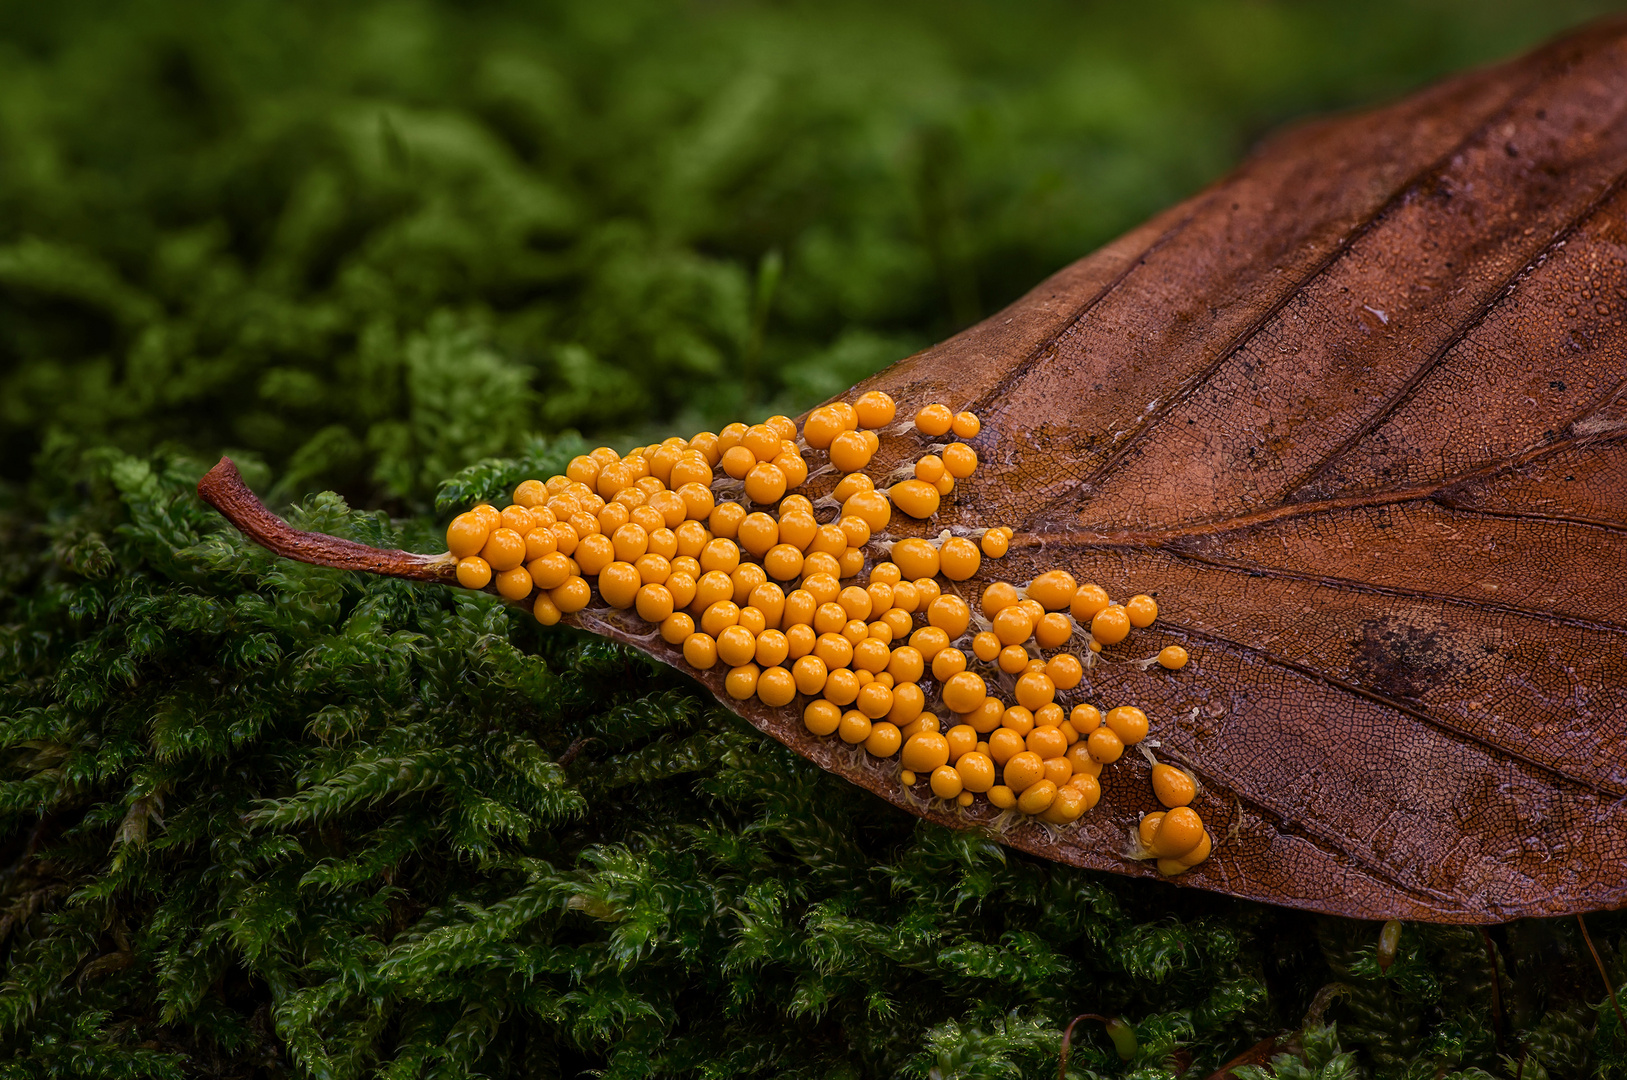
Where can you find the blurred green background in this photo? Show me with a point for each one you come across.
(261, 819)
(369, 243)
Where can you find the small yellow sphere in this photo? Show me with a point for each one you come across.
(1179, 833)
(1037, 798)
(765, 483)
(934, 420)
(854, 727)
(1013, 659)
(1005, 744)
(1172, 657)
(550, 571)
(821, 717)
(772, 649)
(876, 409)
(947, 664)
(959, 460)
(884, 739)
(1002, 797)
(741, 682)
(466, 535)
(782, 562)
(793, 466)
(758, 533)
(929, 641)
(874, 701)
(736, 646)
(504, 549)
(762, 440)
(582, 470)
(888, 573)
(915, 558)
(571, 595)
(1066, 807)
(906, 664)
(966, 425)
(917, 498)
(1142, 610)
(474, 572)
(776, 687)
(986, 717)
(810, 673)
(539, 542)
(976, 771)
(676, 628)
(1104, 746)
(842, 687)
(822, 426)
(870, 507)
(1065, 671)
(850, 485)
(700, 651)
(949, 614)
(962, 740)
(959, 558)
(995, 544)
(782, 426)
(1047, 742)
(619, 583)
(1054, 590)
(1022, 770)
(725, 518)
(1053, 630)
(720, 554)
(799, 636)
(1111, 625)
(925, 751)
(1035, 689)
(1128, 723)
(908, 702)
(1017, 719)
(946, 782)
(690, 472)
(514, 584)
(1197, 854)
(850, 451)
(1087, 600)
(985, 646)
(1083, 764)
(1089, 786)
(929, 469)
(1012, 625)
(718, 616)
(531, 493)
(1085, 719)
(683, 588)
(545, 610)
(1173, 787)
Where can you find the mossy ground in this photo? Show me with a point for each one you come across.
(262, 819)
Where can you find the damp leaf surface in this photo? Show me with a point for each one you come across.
(1357, 415)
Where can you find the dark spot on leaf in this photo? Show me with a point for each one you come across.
(1400, 660)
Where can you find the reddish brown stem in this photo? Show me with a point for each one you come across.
(1609, 987)
(223, 488)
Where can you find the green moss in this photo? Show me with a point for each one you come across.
(263, 819)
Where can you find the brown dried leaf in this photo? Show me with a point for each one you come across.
(1357, 415)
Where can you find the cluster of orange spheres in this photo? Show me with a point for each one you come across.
(755, 584)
